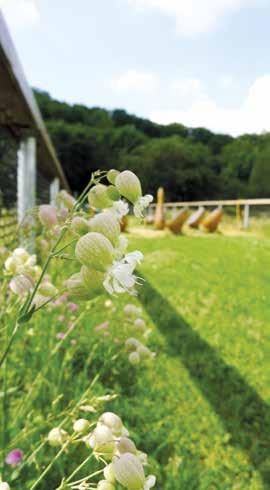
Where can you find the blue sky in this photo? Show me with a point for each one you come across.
(198, 62)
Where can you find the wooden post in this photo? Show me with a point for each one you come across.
(54, 189)
(246, 216)
(26, 176)
(238, 214)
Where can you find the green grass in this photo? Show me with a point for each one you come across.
(201, 409)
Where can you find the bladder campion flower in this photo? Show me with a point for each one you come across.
(98, 197)
(4, 486)
(48, 215)
(81, 425)
(57, 437)
(94, 250)
(128, 471)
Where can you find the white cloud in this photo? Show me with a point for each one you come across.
(20, 13)
(135, 81)
(251, 116)
(187, 87)
(195, 17)
(226, 81)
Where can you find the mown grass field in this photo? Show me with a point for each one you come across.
(201, 409)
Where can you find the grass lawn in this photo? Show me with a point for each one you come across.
(201, 409)
(208, 298)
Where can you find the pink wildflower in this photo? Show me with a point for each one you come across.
(14, 457)
(102, 326)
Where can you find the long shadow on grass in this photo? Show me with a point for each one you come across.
(244, 414)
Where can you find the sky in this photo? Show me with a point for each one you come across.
(197, 62)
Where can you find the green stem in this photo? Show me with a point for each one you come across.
(47, 469)
(78, 468)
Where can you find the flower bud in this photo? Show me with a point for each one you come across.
(111, 175)
(98, 197)
(4, 486)
(126, 445)
(47, 289)
(21, 253)
(102, 440)
(112, 421)
(134, 358)
(92, 281)
(132, 344)
(12, 264)
(81, 425)
(94, 250)
(129, 185)
(76, 287)
(132, 310)
(21, 284)
(79, 225)
(144, 352)
(139, 323)
(108, 473)
(47, 215)
(107, 224)
(57, 437)
(113, 193)
(105, 485)
(128, 471)
(66, 199)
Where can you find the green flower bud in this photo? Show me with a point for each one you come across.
(102, 441)
(92, 281)
(107, 224)
(98, 197)
(126, 445)
(105, 485)
(108, 473)
(47, 289)
(111, 175)
(128, 471)
(132, 344)
(57, 437)
(66, 199)
(95, 251)
(81, 425)
(129, 186)
(113, 193)
(112, 421)
(77, 289)
(134, 358)
(79, 225)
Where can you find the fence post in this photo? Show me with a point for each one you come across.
(26, 176)
(54, 189)
(246, 216)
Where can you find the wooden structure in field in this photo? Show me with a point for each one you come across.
(237, 203)
(20, 116)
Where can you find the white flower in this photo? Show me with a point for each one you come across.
(119, 277)
(128, 471)
(120, 208)
(4, 486)
(141, 204)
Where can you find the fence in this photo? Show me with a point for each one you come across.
(242, 207)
